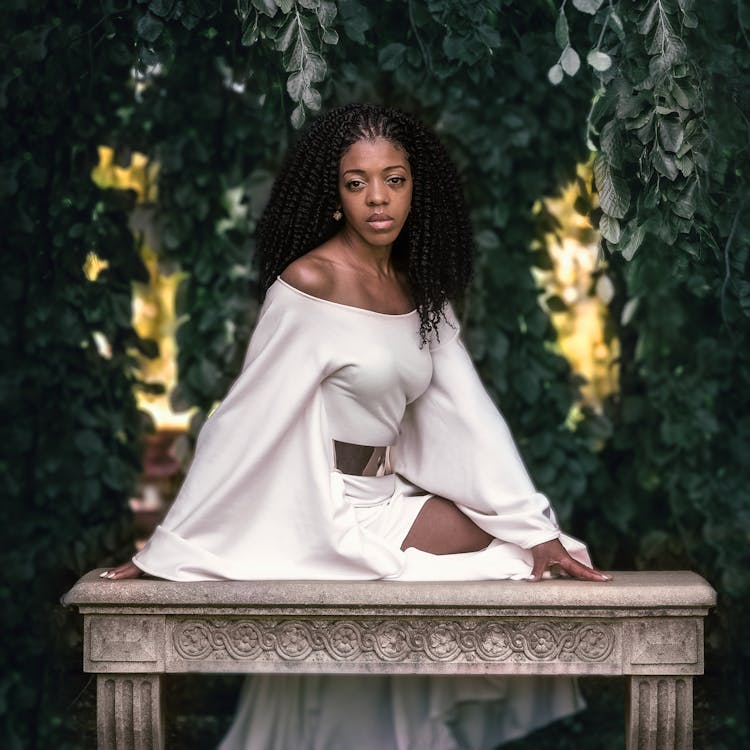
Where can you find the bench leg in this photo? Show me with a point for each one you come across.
(660, 713)
(129, 712)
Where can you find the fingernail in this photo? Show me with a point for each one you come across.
(101, 575)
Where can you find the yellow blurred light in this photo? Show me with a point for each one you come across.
(153, 302)
(581, 328)
(94, 265)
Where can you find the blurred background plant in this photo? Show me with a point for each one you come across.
(609, 317)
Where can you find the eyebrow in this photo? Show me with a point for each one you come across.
(385, 169)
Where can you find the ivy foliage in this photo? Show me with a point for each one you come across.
(72, 436)
(647, 122)
(215, 94)
(671, 128)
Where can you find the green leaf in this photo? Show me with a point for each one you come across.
(312, 99)
(629, 309)
(148, 56)
(588, 6)
(459, 48)
(609, 227)
(149, 27)
(598, 60)
(686, 165)
(487, 240)
(88, 442)
(680, 97)
(628, 104)
(685, 205)
(743, 295)
(556, 304)
(489, 36)
(267, 7)
(643, 120)
(645, 134)
(288, 36)
(189, 21)
(154, 389)
(391, 56)
(616, 23)
(499, 345)
(582, 205)
(555, 74)
(250, 35)
(315, 67)
(161, 7)
(326, 13)
(541, 258)
(671, 134)
(648, 19)
(178, 399)
(356, 20)
(527, 384)
(690, 20)
(562, 34)
(330, 36)
(298, 116)
(570, 61)
(147, 347)
(614, 193)
(610, 142)
(668, 52)
(665, 164)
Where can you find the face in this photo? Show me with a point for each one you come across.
(375, 187)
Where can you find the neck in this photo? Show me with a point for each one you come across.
(362, 256)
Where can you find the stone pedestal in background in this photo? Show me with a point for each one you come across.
(160, 482)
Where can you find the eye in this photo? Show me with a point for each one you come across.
(354, 184)
(396, 180)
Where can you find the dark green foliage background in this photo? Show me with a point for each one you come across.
(660, 480)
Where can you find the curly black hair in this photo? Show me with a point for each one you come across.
(435, 247)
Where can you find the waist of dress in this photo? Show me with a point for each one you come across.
(367, 492)
(362, 460)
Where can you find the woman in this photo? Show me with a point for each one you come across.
(359, 443)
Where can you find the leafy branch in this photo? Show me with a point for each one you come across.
(298, 29)
(646, 111)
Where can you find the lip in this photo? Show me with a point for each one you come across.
(380, 221)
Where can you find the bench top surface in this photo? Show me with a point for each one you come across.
(629, 589)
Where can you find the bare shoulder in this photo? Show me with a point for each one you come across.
(312, 274)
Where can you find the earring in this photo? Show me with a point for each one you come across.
(337, 215)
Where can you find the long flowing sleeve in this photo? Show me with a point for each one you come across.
(454, 442)
(260, 500)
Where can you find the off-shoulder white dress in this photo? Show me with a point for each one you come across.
(263, 499)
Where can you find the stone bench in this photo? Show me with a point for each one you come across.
(647, 625)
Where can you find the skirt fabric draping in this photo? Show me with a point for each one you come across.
(402, 712)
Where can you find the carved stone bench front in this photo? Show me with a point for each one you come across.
(645, 625)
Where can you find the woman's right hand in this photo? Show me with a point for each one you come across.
(126, 570)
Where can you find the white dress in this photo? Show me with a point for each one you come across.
(263, 499)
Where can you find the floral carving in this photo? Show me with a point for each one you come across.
(392, 640)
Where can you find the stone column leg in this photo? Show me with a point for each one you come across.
(660, 713)
(128, 712)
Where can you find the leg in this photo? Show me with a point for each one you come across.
(441, 528)
(660, 713)
(128, 712)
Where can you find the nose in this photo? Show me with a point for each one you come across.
(377, 193)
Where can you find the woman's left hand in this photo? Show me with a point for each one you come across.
(552, 553)
(126, 570)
